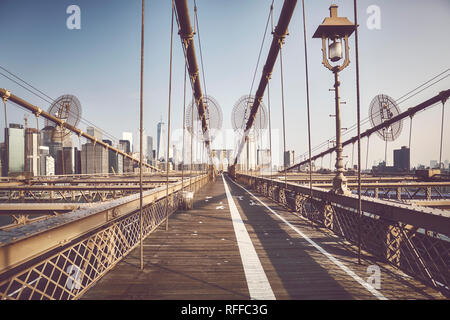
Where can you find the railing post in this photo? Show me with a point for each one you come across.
(393, 240)
(328, 217)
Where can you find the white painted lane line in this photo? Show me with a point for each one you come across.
(23, 287)
(363, 283)
(257, 282)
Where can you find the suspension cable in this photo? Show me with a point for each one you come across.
(200, 49)
(141, 117)
(367, 154)
(192, 142)
(410, 131)
(270, 126)
(184, 119)
(367, 119)
(282, 108)
(307, 98)
(50, 100)
(358, 121)
(442, 134)
(168, 118)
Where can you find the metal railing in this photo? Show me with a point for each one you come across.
(65, 255)
(413, 239)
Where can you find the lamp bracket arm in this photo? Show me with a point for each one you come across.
(324, 55)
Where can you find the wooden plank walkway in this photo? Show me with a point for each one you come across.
(199, 258)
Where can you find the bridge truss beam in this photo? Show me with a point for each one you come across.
(442, 96)
(281, 30)
(7, 95)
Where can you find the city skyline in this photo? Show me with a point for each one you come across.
(392, 71)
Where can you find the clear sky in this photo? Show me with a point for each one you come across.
(100, 64)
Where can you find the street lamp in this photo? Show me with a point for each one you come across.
(334, 32)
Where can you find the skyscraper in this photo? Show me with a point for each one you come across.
(160, 144)
(402, 159)
(128, 136)
(149, 150)
(288, 158)
(47, 162)
(175, 156)
(95, 132)
(94, 159)
(15, 149)
(32, 143)
(124, 145)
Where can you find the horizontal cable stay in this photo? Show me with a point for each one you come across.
(442, 96)
(7, 95)
(279, 35)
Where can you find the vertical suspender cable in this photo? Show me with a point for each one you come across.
(184, 119)
(353, 153)
(442, 134)
(270, 127)
(168, 119)
(367, 153)
(358, 115)
(307, 99)
(141, 221)
(410, 133)
(260, 147)
(6, 120)
(192, 141)
(268, 99)
(282, 109)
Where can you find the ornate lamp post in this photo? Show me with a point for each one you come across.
(334, 31)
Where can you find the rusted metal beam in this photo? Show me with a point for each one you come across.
(7, 95)
(77, 188)
(281, 30)
(29, 241)
(187, 38)
(442, 96)
(39, 208)
(423, 217)
(329, 184)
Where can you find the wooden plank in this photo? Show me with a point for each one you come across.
(198, 258)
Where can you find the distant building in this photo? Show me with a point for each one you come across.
(95, 132)
(94, 159)
(114, 164)
(222, 158)
(15, 150)
(124, 145)
(32, 143)
(288, 158)
(175, 156)
(149, 148)
(402, 159)
(129, 137)
(160, 138)
(127, 165)
(119, 163)
(47, 135)
(66, 161)
(434, 164)
(43, 153)
(263, 157)
(77, 161)
(2, 156)
(47, 162)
